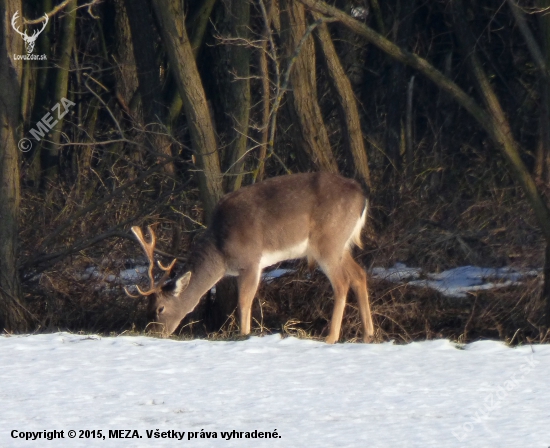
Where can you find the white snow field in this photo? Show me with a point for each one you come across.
(425, 394)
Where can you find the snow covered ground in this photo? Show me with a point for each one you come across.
(426, 394)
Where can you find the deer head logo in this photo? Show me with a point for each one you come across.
(29, 40)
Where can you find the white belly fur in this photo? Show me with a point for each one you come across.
(290, 253)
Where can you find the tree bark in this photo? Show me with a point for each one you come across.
(311, 131)
(542, 167)
(444, 129)
(13, 316)
(180, 55)
(493, 123)
(41, 98)
(145, 55)
(378, 16)
(127, 83)
(61, 83)
(409, 131)
(199, 23)
(349, 113)
(493, 120)
(541, 57)
(500, 126)
(397, 91)
(266, 93)
(238, 104)
(143, 45)
(486, 92)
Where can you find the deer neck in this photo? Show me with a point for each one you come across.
(207, 267)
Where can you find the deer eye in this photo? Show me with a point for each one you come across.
(160, 309)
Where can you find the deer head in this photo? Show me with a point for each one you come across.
(160, 315)
(29, 40)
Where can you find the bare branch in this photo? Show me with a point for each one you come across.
(60, 7)
(530, 40)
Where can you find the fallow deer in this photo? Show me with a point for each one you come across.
(313, 215)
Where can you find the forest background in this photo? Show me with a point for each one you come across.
(147, 111)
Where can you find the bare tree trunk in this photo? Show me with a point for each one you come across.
(239, 92)
(542, 61)
(397, 92)
(492, 120)
(199, 23)
(270, 17)
(127, 83)
(486, 92)
(541, 57)
(13, 317)
(409, 132)
(143, 38)
(348, 106)
(41, 102)
(61, 84)
(445, 119)
(378, 16)
(311, 130)
(266, 95)
(542, 167)
(180, 55)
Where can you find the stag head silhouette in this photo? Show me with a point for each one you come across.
(29, 40)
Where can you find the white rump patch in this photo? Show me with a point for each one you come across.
(291, 253)
(355, 238)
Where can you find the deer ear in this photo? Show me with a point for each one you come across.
(182, 283)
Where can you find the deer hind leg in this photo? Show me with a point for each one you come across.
(340, 285)
(248, 284)
(358, 282)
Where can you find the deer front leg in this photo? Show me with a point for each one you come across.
(248, 284)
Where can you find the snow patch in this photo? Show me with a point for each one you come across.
(456, 282)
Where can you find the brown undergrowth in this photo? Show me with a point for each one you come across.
(493, 230)
(301, 305)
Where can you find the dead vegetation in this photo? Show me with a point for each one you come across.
(442, 192)
(84, 291)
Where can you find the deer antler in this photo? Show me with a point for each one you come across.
(149, 248)
(15, 27)
(43, 26)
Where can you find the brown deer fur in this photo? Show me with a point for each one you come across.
(313, 215)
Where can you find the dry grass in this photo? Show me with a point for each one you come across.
(300, 304)
(492, 228)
